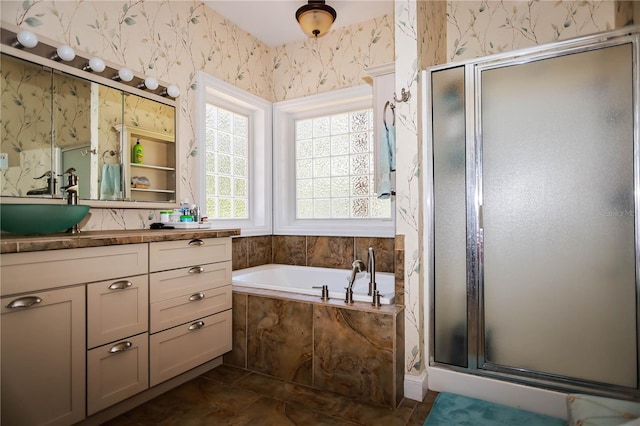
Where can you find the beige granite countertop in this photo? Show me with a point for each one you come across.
(10, 243)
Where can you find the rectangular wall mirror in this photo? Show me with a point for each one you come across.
(53, 121)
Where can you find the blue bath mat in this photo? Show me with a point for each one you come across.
(450, 409)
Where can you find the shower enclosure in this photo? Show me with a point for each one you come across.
(534, 233)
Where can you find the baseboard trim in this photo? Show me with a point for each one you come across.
(415, 387)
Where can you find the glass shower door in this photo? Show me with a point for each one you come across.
(558, 277)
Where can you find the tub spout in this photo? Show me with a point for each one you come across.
(356, 267)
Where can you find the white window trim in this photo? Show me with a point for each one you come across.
(284, 114)
(228, 96)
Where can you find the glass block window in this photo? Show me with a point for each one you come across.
(334, 167)
(227, 164)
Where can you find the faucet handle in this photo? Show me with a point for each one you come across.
(324, 293)
(70, 171)
(46, 174)
(376, 299)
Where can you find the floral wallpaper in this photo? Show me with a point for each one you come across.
(334, 61)
(479, 28)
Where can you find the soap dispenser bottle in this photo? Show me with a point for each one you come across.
(138, 153)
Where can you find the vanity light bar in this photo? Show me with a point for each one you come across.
(31, 45)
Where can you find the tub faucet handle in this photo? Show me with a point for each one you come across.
(376, 299)
(324, 293)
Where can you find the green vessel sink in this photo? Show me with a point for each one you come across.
(32, 219)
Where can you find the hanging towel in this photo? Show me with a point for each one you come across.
(386, 161)
(110, 185)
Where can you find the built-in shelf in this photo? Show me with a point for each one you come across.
(148, 166)
(158, 166)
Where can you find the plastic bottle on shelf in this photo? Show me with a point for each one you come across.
(138, 152)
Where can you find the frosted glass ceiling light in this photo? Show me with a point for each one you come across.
(64, 52)
(150, 83)
(315, 18)
(95, 64)
(172, 91)
(125, 74)
(25, 38)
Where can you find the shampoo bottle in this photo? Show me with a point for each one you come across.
(138, 153)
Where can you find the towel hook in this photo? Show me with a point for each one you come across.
(405, 95)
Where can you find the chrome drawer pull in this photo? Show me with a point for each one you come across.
(120, 285)
(196, 325)
(196, 270)
(195, 297)
(196, 242)
(24, 302)
(120, 347)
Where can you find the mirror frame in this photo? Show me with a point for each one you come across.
(40, 55)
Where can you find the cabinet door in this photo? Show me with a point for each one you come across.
(43, 358)
(182, 348)
(117, 309)
(117, 371)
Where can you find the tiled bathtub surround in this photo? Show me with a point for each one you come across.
(354, 350)
(326, 252)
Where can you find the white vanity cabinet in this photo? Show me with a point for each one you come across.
(87, 333)
(117, 339)
(43, 328)
(190, 304)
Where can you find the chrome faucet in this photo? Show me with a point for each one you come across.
(72, 186)
(371, 269)
(72, 194)
(356, 267)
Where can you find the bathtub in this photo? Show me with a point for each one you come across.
(303, 279)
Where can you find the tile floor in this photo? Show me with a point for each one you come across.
(229, 395)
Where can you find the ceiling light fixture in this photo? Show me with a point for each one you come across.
(316, 17)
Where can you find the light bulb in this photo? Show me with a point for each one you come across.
(95, 64)
(66, 53)
(173, 91)
(151, 83)
(125, 74)
(26, 39)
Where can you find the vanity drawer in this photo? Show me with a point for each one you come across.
(33, 271)
(187, 281)
(117, 309)
(178, 254)
(117, 371)
(182, 348)
(179, 310)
